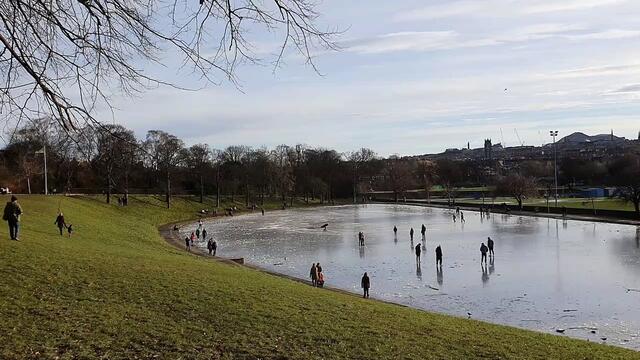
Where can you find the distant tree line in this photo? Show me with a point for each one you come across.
(112, 160)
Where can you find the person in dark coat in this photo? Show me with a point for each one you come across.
(395, 230)
(12, 213)
(70, 229)
(313, 274)
(215, 247)
(418, 252)
(411, 234)
(204, 234)
(423, 231)
(439, 256)
(490, 244)
(198, 233)
(60, 222)
(366, 284)
(187, 243)
(483, 251)
(210, 246)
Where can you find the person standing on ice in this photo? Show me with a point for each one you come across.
(483, 252)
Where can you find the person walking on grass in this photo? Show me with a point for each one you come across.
(12, 212)
(365, 283)
(490, 244)
(313, 274)
(483, 252)
(70, 230)
(60, 222)
(187, 243)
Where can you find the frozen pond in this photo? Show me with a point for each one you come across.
(547, 274)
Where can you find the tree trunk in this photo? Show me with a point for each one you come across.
(246, 189)
(201, 189)
(168, 190)
(126, 184)
(109, 188)
(217, 189)
(355, 190)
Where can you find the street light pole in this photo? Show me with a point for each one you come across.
(43, 151)
(46, 185)
(553, 134)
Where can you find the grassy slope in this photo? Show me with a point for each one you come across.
(117, 290)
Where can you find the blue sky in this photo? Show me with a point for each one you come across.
(415, 77)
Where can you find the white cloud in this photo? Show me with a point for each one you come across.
(447, 39)
(633, 88)
(567, 5)
(499, 8)
(404, 41)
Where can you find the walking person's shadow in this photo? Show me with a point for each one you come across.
(485, 274)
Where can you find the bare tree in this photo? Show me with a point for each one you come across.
(517, 186)
(358, 160)
(66, 57)
(217, 161)
(283, 169)
(426, 173)
(449, 174)
(625, 173)
(113, 149)
(199, 159)
(399, 176)
(166, 152)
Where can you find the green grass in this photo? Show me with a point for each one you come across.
(575, 203)
(117, 290)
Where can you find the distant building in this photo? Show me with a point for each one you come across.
(487, 149)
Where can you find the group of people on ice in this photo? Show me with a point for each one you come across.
(200, 232)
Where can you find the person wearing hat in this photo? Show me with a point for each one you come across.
(12, 212)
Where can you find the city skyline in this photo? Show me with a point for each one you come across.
(414, 77)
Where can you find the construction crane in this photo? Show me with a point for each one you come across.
(518, 136)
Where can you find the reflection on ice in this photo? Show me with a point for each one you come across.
(546, 266)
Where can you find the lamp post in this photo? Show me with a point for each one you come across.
(43, 151)
(553, 134)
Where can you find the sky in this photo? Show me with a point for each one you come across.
(416, 77)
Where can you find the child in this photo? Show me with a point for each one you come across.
(320, 281)
(70, 229)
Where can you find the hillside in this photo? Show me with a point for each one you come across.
(117, 290)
